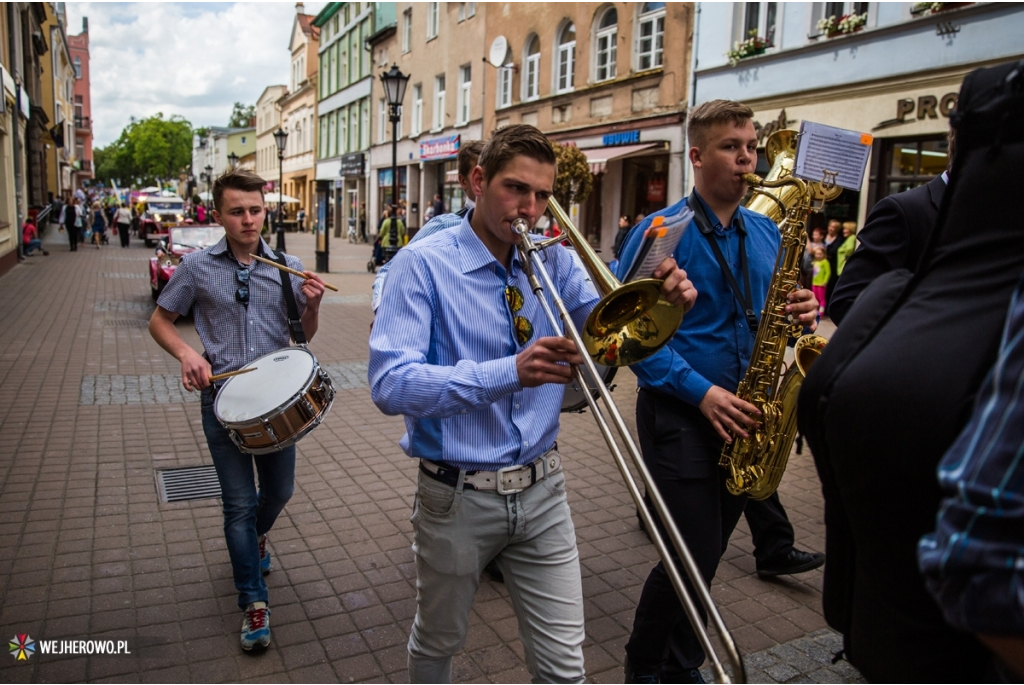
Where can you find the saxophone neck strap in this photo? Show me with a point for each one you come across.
(745, 299)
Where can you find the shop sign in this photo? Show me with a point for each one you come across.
(656, 190)
(621, 138)
(780, 124)
(352, 164)
(440, 148)
(926, 107)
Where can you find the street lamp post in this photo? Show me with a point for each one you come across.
(232, 161)
(394, 90)
(281, 138)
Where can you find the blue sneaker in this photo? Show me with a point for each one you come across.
(265, 564)
(256, 626)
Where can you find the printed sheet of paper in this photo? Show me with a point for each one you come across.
(660, 241)
(821, 148)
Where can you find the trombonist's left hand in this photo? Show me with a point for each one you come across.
(677, 288)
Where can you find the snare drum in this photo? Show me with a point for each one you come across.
(273, 407)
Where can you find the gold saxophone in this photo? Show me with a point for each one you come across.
(756, 464)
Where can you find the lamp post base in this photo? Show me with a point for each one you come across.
(323, 259)
(279, 247)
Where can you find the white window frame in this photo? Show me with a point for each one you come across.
(818, 12)
(656, 53)
(741, 32)
(462, 12)
(417, 110)
(470, 10)
(465, 94)
(440, 84)
(565, 61)
(504, 86)
(531, 71)
(382, 121)
(407, 30)
(433, 19)
(611, 35)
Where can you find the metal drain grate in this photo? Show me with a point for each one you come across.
(188, 482)
(124, 323)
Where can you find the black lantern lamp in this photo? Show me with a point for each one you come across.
(394, 91)
(281, 138)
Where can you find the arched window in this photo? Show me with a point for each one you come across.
(531, 69)
(565, 59)
(605, 40)
(650, 35)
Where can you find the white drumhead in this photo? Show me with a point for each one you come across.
(279, 376)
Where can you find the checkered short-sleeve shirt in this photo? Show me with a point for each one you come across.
(233, 334)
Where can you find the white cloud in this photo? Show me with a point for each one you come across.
(192, 59)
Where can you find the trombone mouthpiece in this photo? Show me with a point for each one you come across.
(520, 226)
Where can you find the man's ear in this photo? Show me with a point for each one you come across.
(476, 181)
(694, 154)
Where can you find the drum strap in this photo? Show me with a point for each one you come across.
(294, 322)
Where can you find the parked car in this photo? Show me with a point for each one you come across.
(180, 241)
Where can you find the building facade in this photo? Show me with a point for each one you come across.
(439, 46)
(298, 113)
(894, 78)
(343, 111)
(213, 150)
(268, 120)
(599, 76)
(58, 81)
(78, 46)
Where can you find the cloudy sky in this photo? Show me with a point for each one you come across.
(192, 59)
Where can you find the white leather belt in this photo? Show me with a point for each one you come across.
(507, 481)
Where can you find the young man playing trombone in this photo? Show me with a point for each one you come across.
(463, 350)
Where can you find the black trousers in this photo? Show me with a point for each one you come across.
(122, 233)
(681, 449)
(72, 237)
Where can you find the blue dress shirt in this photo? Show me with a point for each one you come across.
(714, 343)
(443, 351)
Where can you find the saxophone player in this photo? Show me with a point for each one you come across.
(687, 407)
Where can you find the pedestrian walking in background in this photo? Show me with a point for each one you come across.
(123, 220)
(814, 241)
(99, 225)
(833, 241)
(300, 218)
(201, 214)
(620, 237)
(71, 220)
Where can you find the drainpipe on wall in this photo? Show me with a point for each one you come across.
(693, 96)
(16, 73)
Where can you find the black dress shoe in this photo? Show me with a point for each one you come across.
(630, 675)
(793, 561)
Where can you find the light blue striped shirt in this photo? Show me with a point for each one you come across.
(438, 223)
(443, 352)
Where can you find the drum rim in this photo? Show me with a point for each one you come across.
(280, 408)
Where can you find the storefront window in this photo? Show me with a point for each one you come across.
(911, 163)
(645, 185)
(454, 195)
(385, 187)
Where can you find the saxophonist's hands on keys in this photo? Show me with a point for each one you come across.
(803, 306)
(728, 414)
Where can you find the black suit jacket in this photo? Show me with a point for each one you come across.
(893, 237)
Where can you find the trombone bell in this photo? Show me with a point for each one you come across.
(632, 321)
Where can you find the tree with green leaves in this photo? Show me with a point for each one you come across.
(574, 180)
(242, 115)
(148, 149)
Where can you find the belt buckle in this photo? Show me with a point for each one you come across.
(501, 480)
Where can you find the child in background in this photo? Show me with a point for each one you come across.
(821, 271)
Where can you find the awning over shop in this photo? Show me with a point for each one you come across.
(598, 157)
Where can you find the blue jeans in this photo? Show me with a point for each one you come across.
(248, 514)
(34, 244)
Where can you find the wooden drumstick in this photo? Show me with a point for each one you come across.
(293, 272)
(229, 374)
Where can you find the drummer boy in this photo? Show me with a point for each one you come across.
(240, 312)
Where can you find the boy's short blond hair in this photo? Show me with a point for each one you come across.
(702, 117)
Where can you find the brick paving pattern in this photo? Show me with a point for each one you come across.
(87, 551)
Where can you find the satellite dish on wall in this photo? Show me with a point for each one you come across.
(498, 52)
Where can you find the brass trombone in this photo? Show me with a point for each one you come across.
(638, 321)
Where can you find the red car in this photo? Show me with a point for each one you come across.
(181, 240)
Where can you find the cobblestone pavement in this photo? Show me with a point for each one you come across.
(90, 407)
